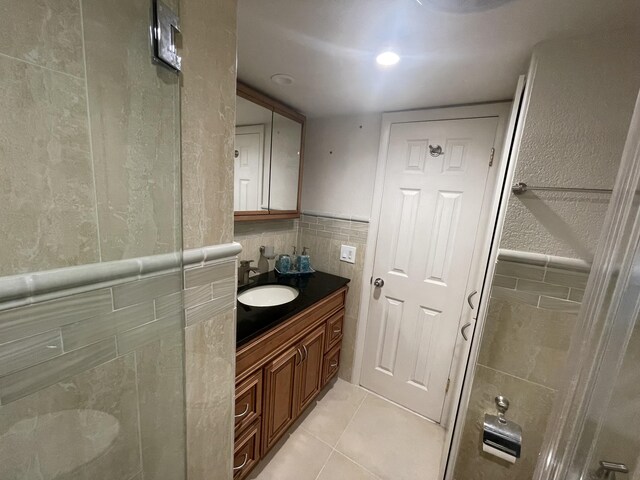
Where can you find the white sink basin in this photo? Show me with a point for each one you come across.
(268, 296)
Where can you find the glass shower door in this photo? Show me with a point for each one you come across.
(92, 382)
(595, 430)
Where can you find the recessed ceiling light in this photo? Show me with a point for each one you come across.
(388, 58)
(282, 79)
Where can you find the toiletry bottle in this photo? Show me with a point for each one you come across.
(263, 262)
(304, 261)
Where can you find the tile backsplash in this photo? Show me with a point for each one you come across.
(281, 234)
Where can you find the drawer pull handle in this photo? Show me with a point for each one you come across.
(246, 410)
(246, 459)
(333, 364)
(337, 330)
(301, 356)
(306, 352)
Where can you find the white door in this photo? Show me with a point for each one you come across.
(249, 148)
(428, 226)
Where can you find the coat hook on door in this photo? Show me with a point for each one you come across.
(435, 151)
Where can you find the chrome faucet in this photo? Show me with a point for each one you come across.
(243, 272)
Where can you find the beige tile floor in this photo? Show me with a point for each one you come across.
(350, 434)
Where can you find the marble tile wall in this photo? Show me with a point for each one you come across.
(208, 102)
(210, 334)
(87, 379)
(134, 116)
(89, 136)
(531, 316)
(324, 236)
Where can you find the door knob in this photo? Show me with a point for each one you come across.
(378, 282)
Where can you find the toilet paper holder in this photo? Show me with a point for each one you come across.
(501, 437)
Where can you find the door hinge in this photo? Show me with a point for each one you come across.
(446, 390)
(493, 152)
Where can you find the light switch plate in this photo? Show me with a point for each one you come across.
(347, 254)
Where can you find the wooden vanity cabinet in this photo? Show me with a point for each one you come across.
(287, 367)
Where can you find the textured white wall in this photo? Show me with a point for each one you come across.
(341, 155)
(581, 104)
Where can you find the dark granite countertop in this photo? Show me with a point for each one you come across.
(254, 321)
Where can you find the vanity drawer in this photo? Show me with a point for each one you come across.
(248, 405)
(331, 364)
(246, 452)
(334, 330)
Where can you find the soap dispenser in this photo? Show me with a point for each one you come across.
(304, 261)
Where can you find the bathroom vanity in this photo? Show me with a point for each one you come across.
(285, 356)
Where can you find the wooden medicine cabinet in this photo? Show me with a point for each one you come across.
(269, 147)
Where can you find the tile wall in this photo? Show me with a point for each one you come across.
(208, 106)
(208, 118)
(94, 374)
(101, 375)
(281, 234)
(209, 301)
(323, 237)
(532, 313)
(90, 150)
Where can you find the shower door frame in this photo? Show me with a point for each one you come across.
(603, 330)
(467, 369)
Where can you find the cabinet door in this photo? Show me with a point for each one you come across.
(280, 396)
(310, 369)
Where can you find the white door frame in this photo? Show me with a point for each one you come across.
(501, 111)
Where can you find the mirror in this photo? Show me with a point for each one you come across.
(285, 163)
(268, 157)
(251, 157)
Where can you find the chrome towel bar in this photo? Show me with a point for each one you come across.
(521, 187)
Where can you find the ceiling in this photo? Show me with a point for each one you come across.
(452, 51)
